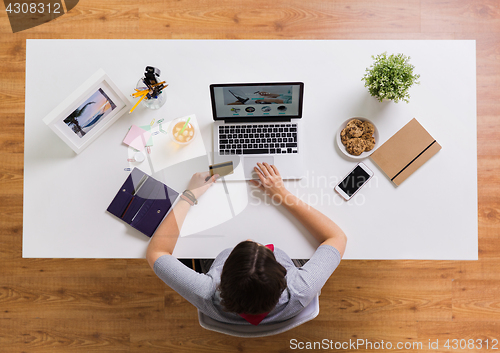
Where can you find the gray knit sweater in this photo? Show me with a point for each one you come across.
(303, 283)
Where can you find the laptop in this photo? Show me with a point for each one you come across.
(258, 122)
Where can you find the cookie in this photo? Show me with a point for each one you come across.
(354, 122)
(355, 146)
(370, 143)
(366, 136)
(355, 128)
(344, 137)
(368, 128)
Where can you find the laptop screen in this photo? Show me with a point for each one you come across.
(257, 101)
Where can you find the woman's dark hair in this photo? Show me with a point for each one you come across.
(251, 280)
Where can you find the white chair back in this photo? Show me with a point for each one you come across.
(261, 330)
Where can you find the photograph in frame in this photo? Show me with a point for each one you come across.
(88, 111)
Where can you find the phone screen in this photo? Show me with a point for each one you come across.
(354, 181)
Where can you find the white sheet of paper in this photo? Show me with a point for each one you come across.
(165, 152)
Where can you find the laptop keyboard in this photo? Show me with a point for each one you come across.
(258, 139)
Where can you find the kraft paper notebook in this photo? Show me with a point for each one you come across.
(405, 152)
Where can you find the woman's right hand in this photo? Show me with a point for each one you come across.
(270, 180)
(200, 182)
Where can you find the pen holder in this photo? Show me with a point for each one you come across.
(152, 103)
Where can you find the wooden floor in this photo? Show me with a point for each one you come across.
(54, 305)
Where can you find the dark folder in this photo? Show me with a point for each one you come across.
(142, 202)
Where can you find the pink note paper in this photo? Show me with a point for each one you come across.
(137, 137)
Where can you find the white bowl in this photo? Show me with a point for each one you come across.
(363, 154)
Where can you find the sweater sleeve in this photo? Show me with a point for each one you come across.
(310, 278)
(195, 287)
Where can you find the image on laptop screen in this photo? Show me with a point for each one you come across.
(246, 100)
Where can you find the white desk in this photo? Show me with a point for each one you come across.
(432, 215)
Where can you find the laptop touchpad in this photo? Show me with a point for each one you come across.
(250, 162)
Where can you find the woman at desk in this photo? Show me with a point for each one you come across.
(250, 282)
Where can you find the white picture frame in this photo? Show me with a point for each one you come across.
(86, 113)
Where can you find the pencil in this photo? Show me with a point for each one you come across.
(139, 101)
(139, 93)
(159, 83)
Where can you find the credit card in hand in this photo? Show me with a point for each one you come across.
(222, 169)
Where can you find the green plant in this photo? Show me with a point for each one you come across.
(390, 77)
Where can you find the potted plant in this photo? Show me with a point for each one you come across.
(390, 77)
